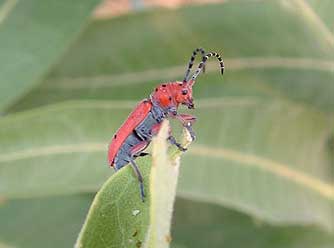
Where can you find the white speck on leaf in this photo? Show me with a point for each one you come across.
(135, 212)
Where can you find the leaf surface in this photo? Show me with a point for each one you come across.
(257, 144)
(282, 54)
(118, 217)
(264, 132)
(58, 218)
(214, 226)
(33, 35)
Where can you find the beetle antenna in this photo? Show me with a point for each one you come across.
(202, 64)
(191, 62)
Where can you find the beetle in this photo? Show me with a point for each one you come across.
(136, 133)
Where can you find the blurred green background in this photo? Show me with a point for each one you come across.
(261, 172)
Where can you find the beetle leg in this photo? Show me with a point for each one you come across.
(186, 118)
(172, 140)
(190, 130)
(135, 152)
(140, 178)
(143, 154)
(187, 121)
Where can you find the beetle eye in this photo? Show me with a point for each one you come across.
(184, 92)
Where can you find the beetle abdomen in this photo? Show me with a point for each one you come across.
(141, 134)
(124, 153)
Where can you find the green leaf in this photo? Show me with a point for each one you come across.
(33, 35)
(43, 222)
(275, 36)
(319, 14)
(260, 51)
(258, 153)
(200, 225)
(2, 245)
(163, 181)
(119, 218)
(265, 130)
(214, 227)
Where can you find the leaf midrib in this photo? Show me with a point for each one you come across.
(314, 19)
(133, 78)
(122, 104)
(6, 9)
(278, 169)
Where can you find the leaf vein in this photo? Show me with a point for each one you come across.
(276, 168)
(6, 9)
(133, 78)
(314, 19)
(279, 169)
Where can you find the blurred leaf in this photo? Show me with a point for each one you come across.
(200, 225)
(320, 13)
(261, 151)
(33, 34)
(265, 29)
(309, 88)
(214, 227)
(119, 218)
(2, 245)
(272, 50)
(44, 222)
(263, 133)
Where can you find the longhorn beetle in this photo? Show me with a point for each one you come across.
(136, 133)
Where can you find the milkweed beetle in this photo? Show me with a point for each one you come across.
(144, 122)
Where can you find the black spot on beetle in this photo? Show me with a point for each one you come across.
(156, 89)
(170, 98)
(184, 92)
(163, 85)
(115, 136)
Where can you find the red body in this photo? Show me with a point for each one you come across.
(167, 95)
(137, 116)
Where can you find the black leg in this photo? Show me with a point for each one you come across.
(140, 178)
(143, 154)
(172, 140)
(187, 121)
(188, 126)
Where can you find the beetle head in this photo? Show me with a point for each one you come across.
(183, 94)
(170, 95)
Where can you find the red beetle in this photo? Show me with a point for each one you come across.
(144, 122)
